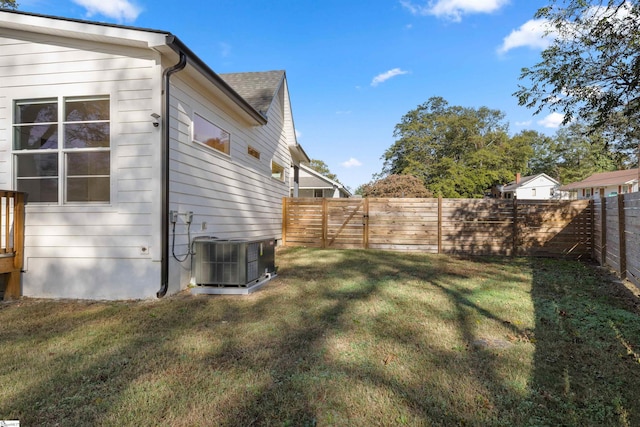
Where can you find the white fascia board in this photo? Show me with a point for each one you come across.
(82, 30)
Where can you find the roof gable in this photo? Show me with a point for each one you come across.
(512, 186)
(315, 179)
(258, 88)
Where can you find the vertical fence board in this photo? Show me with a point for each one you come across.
(632, 236)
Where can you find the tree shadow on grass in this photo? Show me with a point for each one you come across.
(339, 338)
(586, 364)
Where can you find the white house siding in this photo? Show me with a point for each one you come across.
(231, 196)
(540, 189)
(81, 250)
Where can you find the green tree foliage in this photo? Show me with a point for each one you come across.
(456, 151)
(572, 154)
(322, 168)
(544, 154)
(581, 153)
(8, 4)
(591, 71)
(395, 186)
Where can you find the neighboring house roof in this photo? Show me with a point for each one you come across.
(513, 185)
(316, 180)
(258, 88)
(605, 179)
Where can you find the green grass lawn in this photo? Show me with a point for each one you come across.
(339, 338)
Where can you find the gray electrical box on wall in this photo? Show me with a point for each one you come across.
(233, 262)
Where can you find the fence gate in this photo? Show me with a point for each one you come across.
(340, 223)
(345, 223)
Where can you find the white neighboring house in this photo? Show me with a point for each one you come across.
(314, 184)
(604, 184)
(534, 187)
(109, 129)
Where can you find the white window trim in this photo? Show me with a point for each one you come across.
(61, 151)
(284, 172)
(202, 144)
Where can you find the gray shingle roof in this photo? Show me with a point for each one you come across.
(604, 179)
(257, 88)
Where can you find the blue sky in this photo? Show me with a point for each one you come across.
(354, 67)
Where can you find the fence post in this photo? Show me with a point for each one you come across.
(603, 231)
(365, 219)
(622, 239)
(440, 224)
(284, 221)
(514, 251)
(325, 223)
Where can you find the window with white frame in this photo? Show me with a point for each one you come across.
(277, 171)
(211, 135)
(62, 149)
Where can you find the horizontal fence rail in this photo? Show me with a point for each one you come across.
(450, 226)
(11, 240)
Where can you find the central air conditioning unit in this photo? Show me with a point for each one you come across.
(233, 262)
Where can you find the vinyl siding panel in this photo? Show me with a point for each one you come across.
(83, 250)
(231, 196)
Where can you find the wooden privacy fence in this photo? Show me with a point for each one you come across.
(616, 237)
(11, 240)
(452, 226)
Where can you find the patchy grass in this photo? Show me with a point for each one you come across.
(339, 338)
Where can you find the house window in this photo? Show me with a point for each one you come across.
(587, 192)
(533, 192)
(317, 193)
(277, 171)
(61, 149)
(210, 135)
(253, 152)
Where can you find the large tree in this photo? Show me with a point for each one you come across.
(591, 70)
(8, 4)
(456, 151)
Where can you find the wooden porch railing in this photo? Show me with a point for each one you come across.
(12, 240)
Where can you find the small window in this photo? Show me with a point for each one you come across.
(533, 192)
(253, 152)
(317, 193)
(277, 171)
(210, 135)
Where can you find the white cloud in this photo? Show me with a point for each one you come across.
(351, 163)
(525, 123)
(381, 78)
(532, 33)
(553, 120)
(453, 9)
(120, 10)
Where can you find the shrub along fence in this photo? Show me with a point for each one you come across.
(451, 226)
